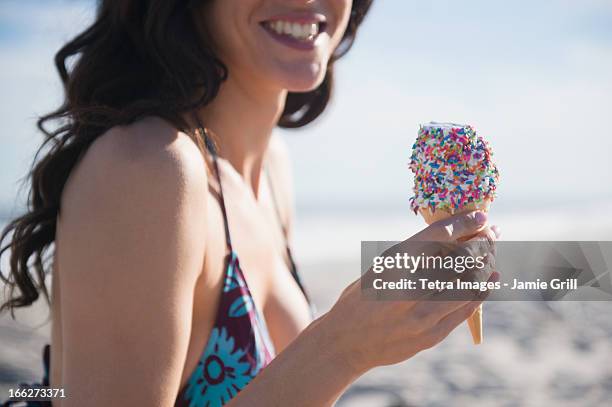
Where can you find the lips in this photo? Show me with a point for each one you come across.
(302, 32)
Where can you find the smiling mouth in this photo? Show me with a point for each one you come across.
(305, 32)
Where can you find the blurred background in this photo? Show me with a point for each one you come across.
(533, 77)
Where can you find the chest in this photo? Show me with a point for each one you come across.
(257, 238)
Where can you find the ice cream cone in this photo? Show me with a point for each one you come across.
(475, 320)
(453, 173)
(475, 325)
(440, 214)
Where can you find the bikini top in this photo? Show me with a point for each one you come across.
(239, 345)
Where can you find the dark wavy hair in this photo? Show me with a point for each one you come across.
(139, 58)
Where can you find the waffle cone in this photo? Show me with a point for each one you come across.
(432, 217)
(475, 325)
(475, 320)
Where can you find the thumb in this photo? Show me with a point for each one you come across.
(455, 227)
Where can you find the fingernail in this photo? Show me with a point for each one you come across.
(494, 276)
(480, 217)
(496, 230)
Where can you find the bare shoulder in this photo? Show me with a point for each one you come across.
(151, 144)
(141, 187)
(147, 155)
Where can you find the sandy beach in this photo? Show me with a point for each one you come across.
(534, 354)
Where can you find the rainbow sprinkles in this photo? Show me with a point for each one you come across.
(452, 168)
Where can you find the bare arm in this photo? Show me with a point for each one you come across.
(312, 371)
(130, 248)
(359, 334)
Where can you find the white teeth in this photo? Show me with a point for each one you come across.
(278, 26)
(296, 30)
(299, 31)
(313, 29)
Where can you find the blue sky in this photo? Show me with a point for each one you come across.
(533, 77)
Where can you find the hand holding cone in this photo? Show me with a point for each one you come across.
(475, 320)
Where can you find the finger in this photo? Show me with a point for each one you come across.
(496, 230)
(486, 233)
(459, 295)
(483, 243)
(447, 324)
(455, 227)
(428, 313)
(452, 320)
(434, 268)
(430, 310)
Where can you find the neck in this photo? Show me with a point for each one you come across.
(242, 118)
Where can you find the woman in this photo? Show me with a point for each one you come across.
(161, 169)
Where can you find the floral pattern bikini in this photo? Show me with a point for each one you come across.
(239, 346)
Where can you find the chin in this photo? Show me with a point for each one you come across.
(304, 78)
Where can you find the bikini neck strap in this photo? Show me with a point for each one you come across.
(202, 131)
